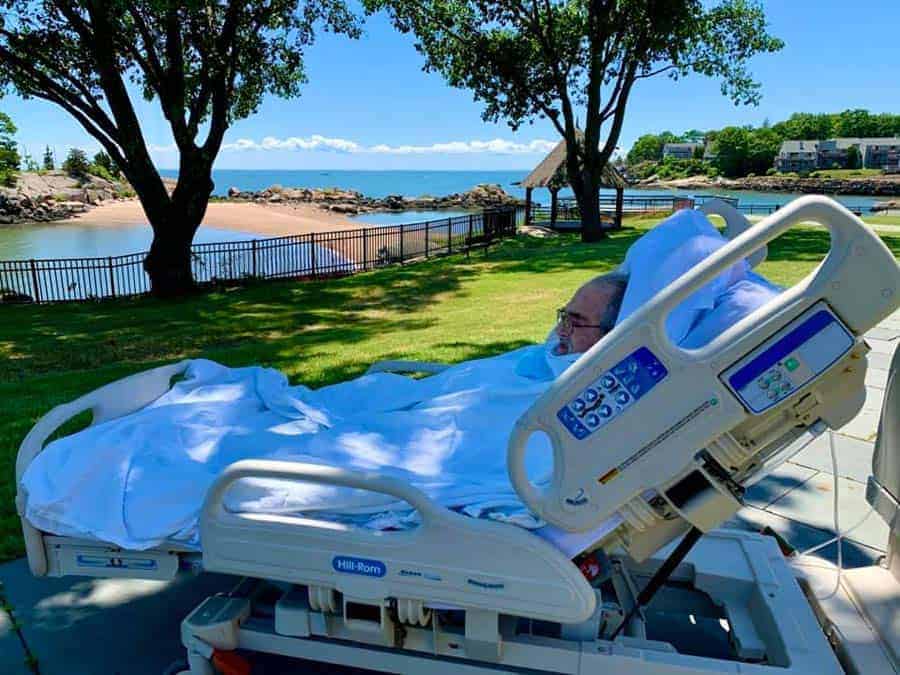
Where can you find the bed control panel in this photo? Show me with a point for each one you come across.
(789, 360)
(612, 393)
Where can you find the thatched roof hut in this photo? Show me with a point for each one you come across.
(551, 174)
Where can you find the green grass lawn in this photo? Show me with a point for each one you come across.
(450, 309)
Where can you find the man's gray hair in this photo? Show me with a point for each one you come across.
(618, 282)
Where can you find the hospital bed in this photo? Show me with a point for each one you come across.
(653, 447)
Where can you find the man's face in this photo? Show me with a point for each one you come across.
(584, 311)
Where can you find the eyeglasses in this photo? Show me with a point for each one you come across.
(565, 321)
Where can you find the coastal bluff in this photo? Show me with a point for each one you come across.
(351, 202)
(55, 195)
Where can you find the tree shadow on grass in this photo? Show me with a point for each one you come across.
(79, 337)
(807, 244)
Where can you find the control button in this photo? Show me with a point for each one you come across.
(763, 382)
(792, 364)
(605, 411)
(577, 405)
(608, 382)
(621, 369)
(654, 372)
(785, 386)
(592, 420)
(622, 397)
(773, 395)
(776, 375)
(590, 395)
(635, 388)
(632, 366)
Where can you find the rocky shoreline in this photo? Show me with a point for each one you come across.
(351, 202)
(54, 195)
(878, 186)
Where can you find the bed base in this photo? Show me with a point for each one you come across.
(734, 579)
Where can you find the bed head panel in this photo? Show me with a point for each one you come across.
(684, 428)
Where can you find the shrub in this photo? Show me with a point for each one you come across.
(9, 151)
(101, 172)
(105, 167)
(49, 160)
(76, 163)
(771, 171)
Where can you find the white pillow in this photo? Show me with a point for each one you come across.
(666, 252)
(731, 306)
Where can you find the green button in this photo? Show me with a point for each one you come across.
(791, 364)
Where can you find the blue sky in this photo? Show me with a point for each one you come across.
(372, 92)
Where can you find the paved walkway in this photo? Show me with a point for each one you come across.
(101, 627)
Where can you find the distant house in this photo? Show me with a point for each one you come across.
(709, 154)
(874, 153)
(880, 153)
(797, 156)
(834, 152)
(680, 150)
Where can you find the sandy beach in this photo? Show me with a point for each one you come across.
(268, 220)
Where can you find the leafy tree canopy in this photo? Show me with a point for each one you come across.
(574, 61)
(9, 150)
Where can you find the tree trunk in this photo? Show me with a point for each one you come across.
(588, 197)
(168, 264)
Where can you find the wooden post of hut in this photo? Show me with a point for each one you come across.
(528, 205)
(554, 205)
(620, 198)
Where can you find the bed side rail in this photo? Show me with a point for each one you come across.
(448, 559)
(685, 403)
(107, 402)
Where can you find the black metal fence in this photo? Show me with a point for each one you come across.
(568, 213)
(315, 255)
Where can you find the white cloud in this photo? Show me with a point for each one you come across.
(496, 146)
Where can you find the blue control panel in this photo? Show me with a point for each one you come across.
(612, 393)
(797, 354)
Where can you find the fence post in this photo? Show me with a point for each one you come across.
(449, 235)
(427, 227)
(253, 250)
(34, 282)
(112, 277)
(312, 254)
(469, 239)
(402, 230)
(365, 248)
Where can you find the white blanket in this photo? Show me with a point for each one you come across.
(141, 479)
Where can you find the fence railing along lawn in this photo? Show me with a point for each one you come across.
(314, 255)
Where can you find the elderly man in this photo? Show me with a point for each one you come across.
(590, 314)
